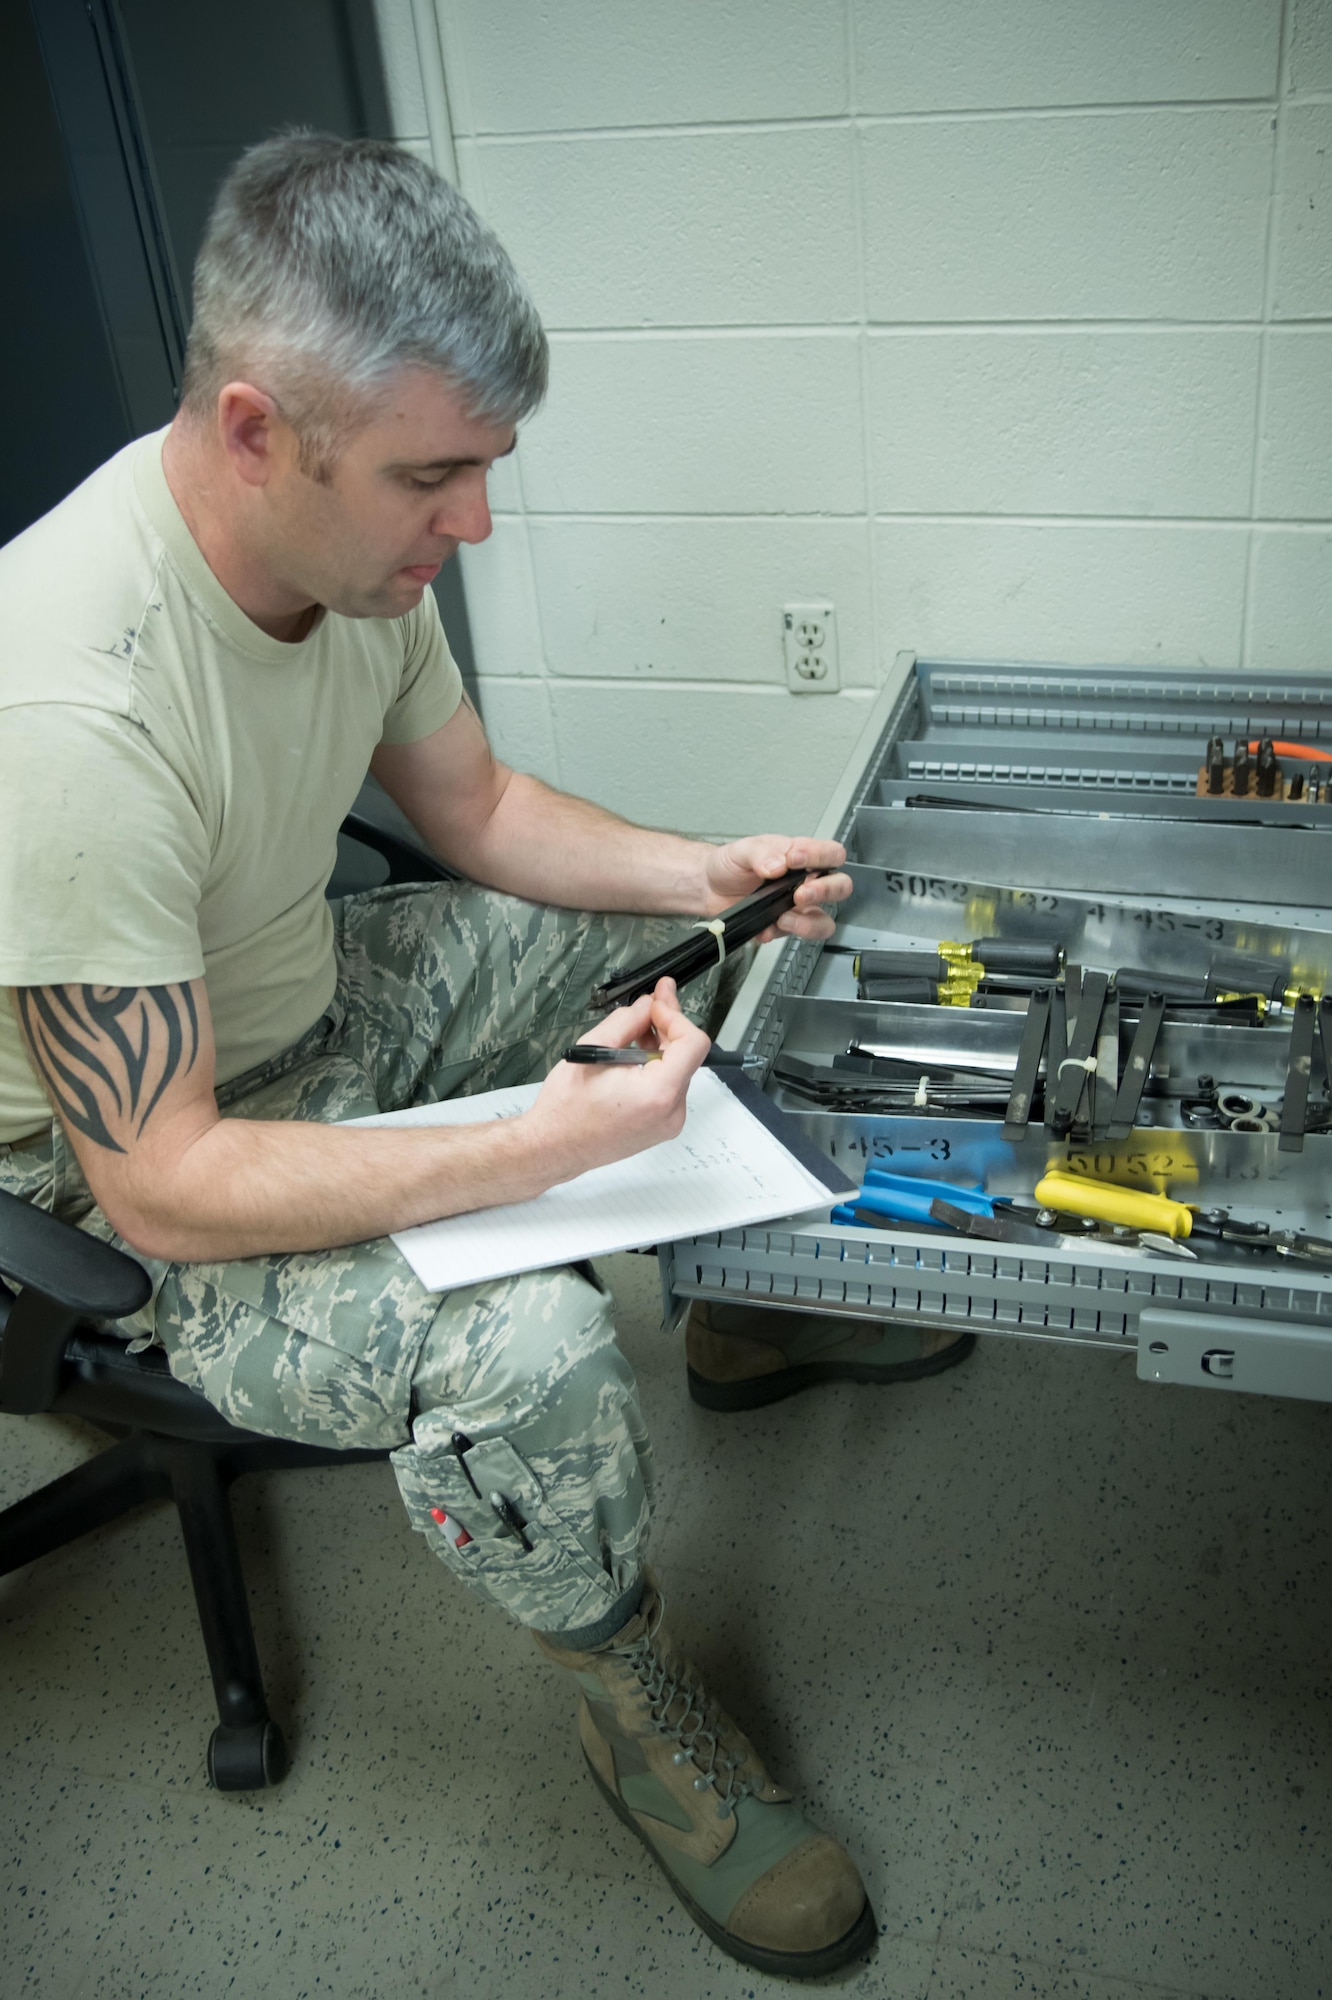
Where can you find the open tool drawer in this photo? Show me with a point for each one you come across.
(1179, 925)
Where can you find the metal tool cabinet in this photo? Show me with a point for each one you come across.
(1118, 858)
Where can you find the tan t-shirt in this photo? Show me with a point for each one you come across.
(171, 779)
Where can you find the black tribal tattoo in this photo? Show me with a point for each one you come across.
(102, 1053)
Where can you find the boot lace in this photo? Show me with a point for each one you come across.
(681, 1712)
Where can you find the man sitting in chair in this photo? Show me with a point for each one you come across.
(205, 645)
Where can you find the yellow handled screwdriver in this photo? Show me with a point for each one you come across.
(1106, 1202)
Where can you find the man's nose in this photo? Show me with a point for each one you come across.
(465, 517)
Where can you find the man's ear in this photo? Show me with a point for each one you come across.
(249, 425)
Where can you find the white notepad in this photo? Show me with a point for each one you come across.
(724, 1170)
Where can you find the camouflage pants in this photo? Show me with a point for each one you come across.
(441, 991)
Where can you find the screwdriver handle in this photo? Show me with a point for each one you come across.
(916, 992)
(1017, 955)
(899, 965)
(1106, 1202)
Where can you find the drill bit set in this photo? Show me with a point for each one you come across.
(1266, 768)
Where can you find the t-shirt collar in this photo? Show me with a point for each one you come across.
(187, 558)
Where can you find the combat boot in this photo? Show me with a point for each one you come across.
(758, 1876)
(740, 1357)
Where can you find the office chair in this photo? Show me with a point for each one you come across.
(170, 1443)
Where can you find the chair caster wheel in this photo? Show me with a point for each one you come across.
(243, 1758)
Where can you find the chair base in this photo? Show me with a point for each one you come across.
(247, 1749)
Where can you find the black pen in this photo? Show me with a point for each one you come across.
(511, 1518)
(460, 1444)
(597, 1052)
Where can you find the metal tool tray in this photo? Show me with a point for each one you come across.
(1115, 856)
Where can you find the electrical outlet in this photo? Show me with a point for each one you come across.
(809, 641)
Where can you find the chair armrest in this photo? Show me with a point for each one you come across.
(68, 1265)
(407, 862)
(66, 1276)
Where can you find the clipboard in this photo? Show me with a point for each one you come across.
(739, 1160)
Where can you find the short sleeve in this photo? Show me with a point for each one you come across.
(431, 686)
(102, 853)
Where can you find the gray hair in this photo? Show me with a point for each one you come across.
(329, 264)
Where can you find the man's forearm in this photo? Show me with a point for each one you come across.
(552, 848)
(245, 1187)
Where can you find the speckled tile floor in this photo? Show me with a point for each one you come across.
(1048, 1648)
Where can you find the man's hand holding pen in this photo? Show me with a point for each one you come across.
(743, 866)
(589, 1114)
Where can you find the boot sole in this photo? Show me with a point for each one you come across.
(787, 1964)
(774, 1388)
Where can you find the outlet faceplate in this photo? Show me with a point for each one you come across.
(809, 643)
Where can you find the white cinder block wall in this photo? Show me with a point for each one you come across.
(1004, 325)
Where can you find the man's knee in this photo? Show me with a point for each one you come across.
(520, 1353)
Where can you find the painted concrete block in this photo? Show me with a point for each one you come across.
(705, 760)
(501, 602)
(1118, 215)
(984, 54)
(1136, 595)
(696, 229)
(1303, 286)
(697, 600)
(1290, 620)
(518, 722)
(699, 424)
(1103, 422)
(631, 62)
(1295, 454)
(1309, 65)
(402, 69)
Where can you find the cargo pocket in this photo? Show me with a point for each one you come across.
(557, 1585)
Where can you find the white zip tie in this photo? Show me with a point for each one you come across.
(922, 1095)
(718, 929)
(1089, 1063)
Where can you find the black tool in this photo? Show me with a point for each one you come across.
(1070, 1074)
(1267, 771)
(1216, 766)
(1138, 1067)
(599, 1053)
(1245, 972)
(912, 992)
(459, 1445)
(908, 1091)
(1057, 1046)
(1240, 770)
(1018, 955)
(897, 1069)
(1189, 989)
(1034, 1036)
(743, 921)
(899, 965)
(1299, 1063)
(512, 1519)
(995, 1228)
(1103, 1085)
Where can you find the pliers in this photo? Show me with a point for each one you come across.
(969, 1211)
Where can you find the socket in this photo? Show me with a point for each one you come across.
(809, 642)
